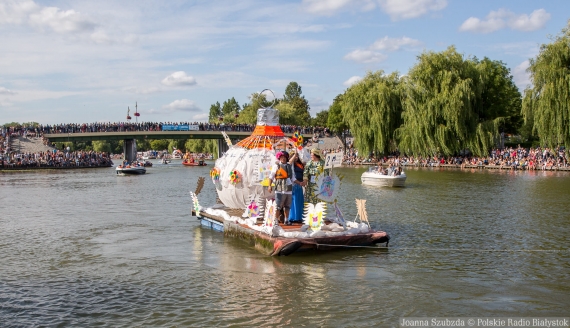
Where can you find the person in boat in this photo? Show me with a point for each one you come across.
(298, 200)
(282, 176)
(313, 168)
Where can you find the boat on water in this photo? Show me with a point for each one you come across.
(190, 162)
(384, 177)
(131, 168)
(248, 210)
(165, 160)
(176, 154)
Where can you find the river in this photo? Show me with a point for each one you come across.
(86, 247)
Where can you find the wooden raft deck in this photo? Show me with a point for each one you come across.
(276, 246)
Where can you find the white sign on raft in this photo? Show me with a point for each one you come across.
(333, 159)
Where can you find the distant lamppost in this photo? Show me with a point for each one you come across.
(137, 114)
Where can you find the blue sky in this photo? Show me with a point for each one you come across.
(86, 61)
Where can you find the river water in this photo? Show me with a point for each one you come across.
(90, 248)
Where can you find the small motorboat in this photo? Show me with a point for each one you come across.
(164, 160)
(189, 162)
(134, 168)
(378, 176)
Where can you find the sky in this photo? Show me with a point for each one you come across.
(86, 61)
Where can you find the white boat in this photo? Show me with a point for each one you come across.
(176, 154)
(164, 160)
(130, 169)
(383, 178)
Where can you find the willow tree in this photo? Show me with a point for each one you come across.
(451, 104)
(547, 103)
(372, 109)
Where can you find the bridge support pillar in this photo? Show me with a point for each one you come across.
(222, 147)
(130, 150)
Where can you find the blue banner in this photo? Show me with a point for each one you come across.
(169, 127)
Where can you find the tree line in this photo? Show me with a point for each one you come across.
(445, 104)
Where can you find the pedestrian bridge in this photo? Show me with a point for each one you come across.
(129, 137)
(90, 136)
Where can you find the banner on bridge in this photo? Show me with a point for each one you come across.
(181, 127)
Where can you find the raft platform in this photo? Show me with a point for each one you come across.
(282, 246)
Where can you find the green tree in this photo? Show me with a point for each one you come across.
(159, 144)
(301, 110)
(372, 108)
(335, 118)
(101, 146)
(230, 107)
(321, 119)
(547, 103)
(500, 97)
(176, 143)
(215, 112)
(451, 104)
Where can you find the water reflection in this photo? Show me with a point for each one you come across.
(87, 248)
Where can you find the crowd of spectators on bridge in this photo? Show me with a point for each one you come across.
(42, 129)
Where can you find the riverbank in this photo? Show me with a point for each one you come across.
(460, 167)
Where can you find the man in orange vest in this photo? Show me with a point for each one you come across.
(282, 176)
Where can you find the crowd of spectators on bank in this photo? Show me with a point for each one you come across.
(11, 159)
(56, 159)
(515, 158)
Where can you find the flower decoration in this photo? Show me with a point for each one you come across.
(235, 177)
(215, 174)
(221, 118)
(236, 115)
(137, 114)
(129, 117)
(253, 210)
(298, 139)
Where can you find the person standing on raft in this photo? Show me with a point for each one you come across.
(282, 176)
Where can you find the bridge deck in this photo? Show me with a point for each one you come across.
(89, 136)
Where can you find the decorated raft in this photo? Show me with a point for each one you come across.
(248, 210)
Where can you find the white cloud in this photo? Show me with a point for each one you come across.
(200, 117)
(68, 21)
(394, 44)
(351, 81)
(51, 18)
(535, 21)
(372, 53)
(178, 79)
(16, 12)
(142, 91)
(396, 9)
(4, 91)
(181, 105)
(406, 9)
(365, 56)
(521, 76)
(503, 18)
(296, 45)
(318, 104)
(331, 7)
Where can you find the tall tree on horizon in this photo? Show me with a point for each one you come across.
(451, 104)
(546, 105)
(372, 109)
(301, 110)
(215, 112)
